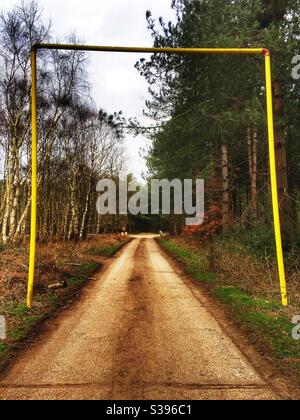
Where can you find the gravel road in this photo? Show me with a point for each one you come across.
(137, 332)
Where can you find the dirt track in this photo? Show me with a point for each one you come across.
(138, 332)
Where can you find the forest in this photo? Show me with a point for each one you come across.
(78, 143)
(213, 114)
(209, 112)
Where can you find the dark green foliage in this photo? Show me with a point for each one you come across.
(259, 239)
(203, 102)
(81, 274)
(3, 349)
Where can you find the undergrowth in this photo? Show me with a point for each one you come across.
(248, 287)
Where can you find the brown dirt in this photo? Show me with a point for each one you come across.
(53, 260)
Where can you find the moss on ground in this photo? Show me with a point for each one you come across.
(106, 252)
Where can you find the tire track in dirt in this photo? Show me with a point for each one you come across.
(131, 355)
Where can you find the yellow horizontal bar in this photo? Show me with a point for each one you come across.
(229, 51)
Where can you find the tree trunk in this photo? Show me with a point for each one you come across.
(15, 195)
(98, 223)
(65, 222)
(3, 204)
(249, 144)
(22, 223)
(82, 234)
(226, 197)
(281, 159)
(9, 195)
(73, 228)
(215, 184)
(254, 173)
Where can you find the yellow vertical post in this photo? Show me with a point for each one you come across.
(33, 224)
(275, 201)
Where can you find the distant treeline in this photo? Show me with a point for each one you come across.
(78, 144)
(213, 111)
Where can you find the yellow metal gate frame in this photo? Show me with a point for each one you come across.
(190, 51)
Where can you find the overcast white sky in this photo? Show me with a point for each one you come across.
(116, 84)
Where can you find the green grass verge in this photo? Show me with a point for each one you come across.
(25, 327)
(262, 321)
(3, 349)
(81, 274)
(108, 251)
(190, 260)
